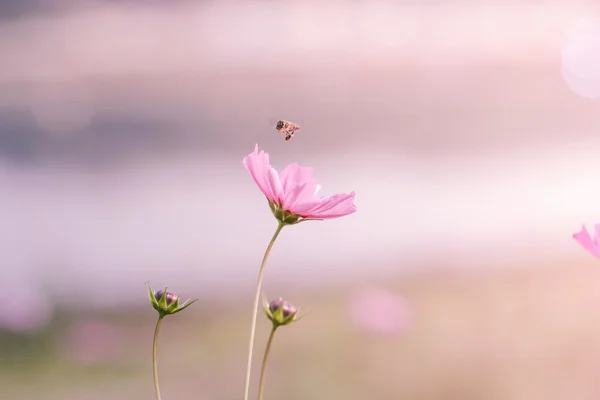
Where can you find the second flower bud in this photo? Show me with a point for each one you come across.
(280, 312)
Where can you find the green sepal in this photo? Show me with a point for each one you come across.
(271, 206)
(185, 305)
(299, 317)
(289, 218)
(151, 294)
(278, 315)
(162, 302)
(284, 216)
(289, 319)
(266, 307)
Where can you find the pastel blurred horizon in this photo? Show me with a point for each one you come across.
(469, 131)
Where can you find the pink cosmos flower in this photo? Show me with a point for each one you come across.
(293, 191)
(584, 239)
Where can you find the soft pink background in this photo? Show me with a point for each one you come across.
(473, 151)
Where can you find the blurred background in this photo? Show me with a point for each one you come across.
(471, 143)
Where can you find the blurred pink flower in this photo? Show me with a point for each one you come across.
(294, 189)
(584, 239)
(581, 57)
(379, 311)
(25, 308)
(93, 342)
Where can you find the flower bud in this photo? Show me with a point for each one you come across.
(287, 309)
(166, 304)
(171, 298)
(280, 312)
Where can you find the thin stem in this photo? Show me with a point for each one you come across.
(264, 363)
(156, 389)
(255, 308)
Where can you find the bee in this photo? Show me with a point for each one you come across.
(287, 127)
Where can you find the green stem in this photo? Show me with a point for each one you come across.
(156, 389)
(264, 363)
(255, 308)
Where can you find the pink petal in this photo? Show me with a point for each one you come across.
(265, 177)
(340, 211)
(275, 185)
(293, 175)
(584, 239)
(597, 229)
(298, 185)
(299, 195)
(335, 206)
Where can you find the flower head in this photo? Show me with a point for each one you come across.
(280, 312)
(584, 239)
(291, 193)
(581, 57)
(166, 304)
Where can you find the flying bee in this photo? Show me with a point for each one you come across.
(287, 127)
